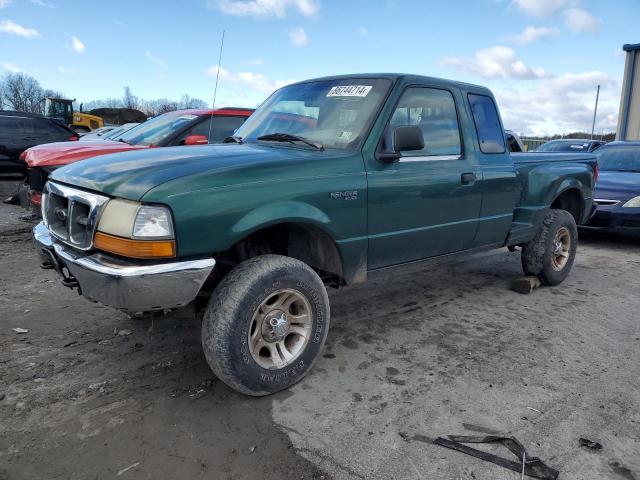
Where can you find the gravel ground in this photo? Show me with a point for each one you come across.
(423, 352)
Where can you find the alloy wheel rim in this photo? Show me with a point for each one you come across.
(280, 329)
(561, 249)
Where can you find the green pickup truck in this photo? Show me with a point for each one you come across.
(328, 182)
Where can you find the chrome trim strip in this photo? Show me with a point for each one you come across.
(606, 202)
(104, 265)
(429, 158)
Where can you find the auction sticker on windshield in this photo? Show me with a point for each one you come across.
(349, 91)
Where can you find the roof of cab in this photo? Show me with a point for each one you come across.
(14, 113)
(409, 78)
(224, 111)
(623, 143)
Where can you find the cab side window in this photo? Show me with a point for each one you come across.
(434, 111)
(485, 117)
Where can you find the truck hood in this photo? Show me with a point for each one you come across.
(131, 174)
(621, 186)
(63, 153)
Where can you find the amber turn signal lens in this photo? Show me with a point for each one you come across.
(135, 248)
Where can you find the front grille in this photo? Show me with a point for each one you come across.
(71, 214)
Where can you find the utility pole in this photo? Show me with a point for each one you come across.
(595, 110)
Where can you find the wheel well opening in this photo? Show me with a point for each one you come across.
(303, 242)
(571, 201)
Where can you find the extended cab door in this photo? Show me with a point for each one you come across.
(428, 202)
(501, 188)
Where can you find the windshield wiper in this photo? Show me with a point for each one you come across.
(124, 141)
(233, 139)
(287, 137)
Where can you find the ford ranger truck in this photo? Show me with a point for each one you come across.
(328, 182)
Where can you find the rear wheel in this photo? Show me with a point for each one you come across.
(265, 324)
(551, 253)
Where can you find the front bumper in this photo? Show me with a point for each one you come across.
(616, 219)
(123, 284)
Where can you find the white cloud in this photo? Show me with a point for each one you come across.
(298, 37)
(265, 8)
(496, 62)
(579, 20)
(249, 80)
(531, 34)
(542, 8)
(66, 70)
(42, 3)
(77, 45)
(561, 104)
(212, 71)
(157, 60)
(4, 3)
(12, 67)
(9, 26)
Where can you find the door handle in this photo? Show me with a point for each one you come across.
(467, 178)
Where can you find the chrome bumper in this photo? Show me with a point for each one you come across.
(123, 284)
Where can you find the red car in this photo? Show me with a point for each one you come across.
(182, 127)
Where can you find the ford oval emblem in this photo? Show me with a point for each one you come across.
(61, 213)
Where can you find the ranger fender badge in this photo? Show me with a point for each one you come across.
(344, 195)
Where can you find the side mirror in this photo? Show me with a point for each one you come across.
(401, 139)
(196, 140)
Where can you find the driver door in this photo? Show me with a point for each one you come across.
(428, 202)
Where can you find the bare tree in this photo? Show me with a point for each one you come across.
(159, 106)
(188, 102)
(22, 92)
(129, 100)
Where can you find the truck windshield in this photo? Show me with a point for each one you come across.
(330, 113)
(157, 129)
(619, 159)
(562, 146)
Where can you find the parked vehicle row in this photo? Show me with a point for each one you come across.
(108, 133)
(20, 131)
(617, 192)
(570, 145)
(182, 127)
(330, 181)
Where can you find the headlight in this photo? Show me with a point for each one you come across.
(153, 222)
(134, 230)
(633, 203)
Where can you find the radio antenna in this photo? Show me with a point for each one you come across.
(215, 90)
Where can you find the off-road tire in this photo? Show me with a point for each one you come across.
(230, 314)
(538, 258)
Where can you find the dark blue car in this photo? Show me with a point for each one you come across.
(617, 192)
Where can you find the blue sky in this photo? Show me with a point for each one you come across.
(542, 58)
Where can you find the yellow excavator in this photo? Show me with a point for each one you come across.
(61, 109)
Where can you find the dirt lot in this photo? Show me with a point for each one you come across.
(90, 393)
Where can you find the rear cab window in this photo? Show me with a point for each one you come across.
(487, 122)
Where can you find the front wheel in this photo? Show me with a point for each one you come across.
(551, 253)
(266, 324)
